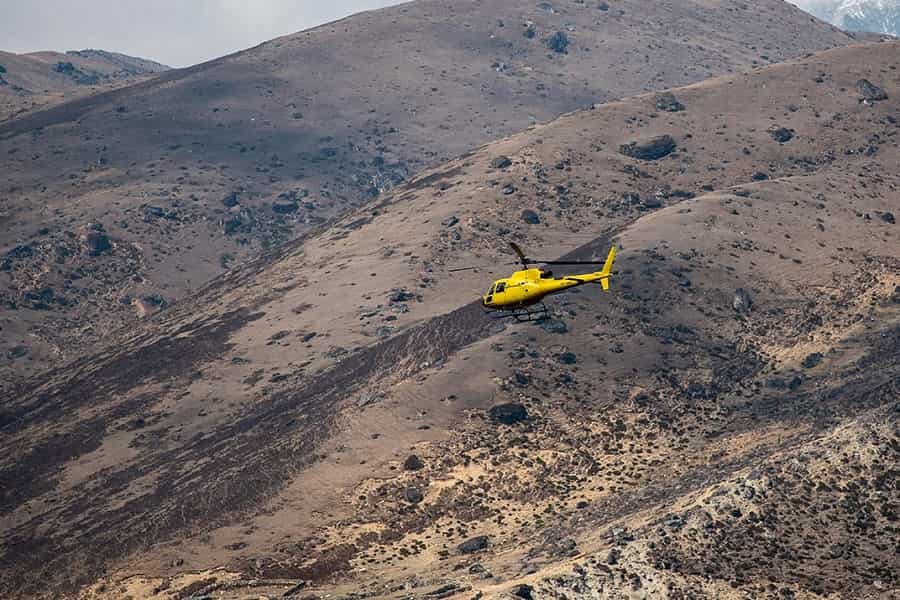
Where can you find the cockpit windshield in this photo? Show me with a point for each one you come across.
(490, 291)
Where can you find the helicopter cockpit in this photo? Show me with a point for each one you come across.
(497, 288)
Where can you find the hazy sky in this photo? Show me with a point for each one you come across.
(175, 32)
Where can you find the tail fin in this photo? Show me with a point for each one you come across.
(607, 269)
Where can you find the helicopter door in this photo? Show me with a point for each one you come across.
(501, 287)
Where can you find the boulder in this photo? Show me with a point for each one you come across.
(445, 591)
(742, 301)
(289, 202)
(231, 200)
(155, 300)
(652, 203)
(782, 135)
(284, 206)
(651, 149)
(567, 358)
(413, 463)
(413, 495)
(19, 252)
(295, 591)
(632, 198)
(523, 591)
(812, 360)
(475, 544)
(401, 295)
(531, 217)
(152, 213)
(553, 326)
(780, 383)
(501, 162)
(508, 414)
(521, 379)
(16, 352)
(888, 217)
(869, 91)
(41, 299)
(668, 102)
(96, 242)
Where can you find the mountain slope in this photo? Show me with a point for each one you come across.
(265, 425)
(121, 203)
(36, 80)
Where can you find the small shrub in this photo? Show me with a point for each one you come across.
(559, 42)
(65, 68)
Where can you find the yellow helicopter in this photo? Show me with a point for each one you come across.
(519, 295)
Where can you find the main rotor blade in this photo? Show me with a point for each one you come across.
(518, 251)
(468, 269)
(531, 261)
(569, 262)
(493, 266)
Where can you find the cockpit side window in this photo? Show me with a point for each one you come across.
(490, 291)
(500, 287)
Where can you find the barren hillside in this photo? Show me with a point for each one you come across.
(723, 424)
(119, 204)
(34, 81)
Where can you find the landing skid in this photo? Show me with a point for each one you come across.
(530, 314)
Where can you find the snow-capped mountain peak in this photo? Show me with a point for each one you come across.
(878, 16)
